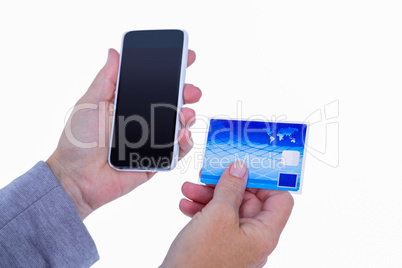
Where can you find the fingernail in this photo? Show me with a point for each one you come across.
(191, 141)
(238, 169)
(108, 54)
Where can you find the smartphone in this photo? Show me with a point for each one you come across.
(148, 99)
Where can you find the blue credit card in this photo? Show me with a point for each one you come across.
(274, 152)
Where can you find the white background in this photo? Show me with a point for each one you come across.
(286, 58)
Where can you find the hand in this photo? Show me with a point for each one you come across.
(84, 173)
(230, 226)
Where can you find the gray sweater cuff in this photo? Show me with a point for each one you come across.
(39, 225)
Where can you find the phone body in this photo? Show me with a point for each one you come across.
(148, 99)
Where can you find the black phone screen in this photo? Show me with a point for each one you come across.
(147, 99)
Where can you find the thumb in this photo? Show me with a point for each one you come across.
(104, 84)
(231, 186)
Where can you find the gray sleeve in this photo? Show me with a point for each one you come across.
(39, 225)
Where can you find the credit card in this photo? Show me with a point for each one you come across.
(274, 152)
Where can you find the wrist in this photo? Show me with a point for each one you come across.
(69, 181)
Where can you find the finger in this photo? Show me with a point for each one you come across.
(276, 210)
(185, 142)
(191, 94)
(262, 263)
(231, 186)
(251, 206)
(187, 117)
(198, 193)
(191, 57)
(190, 208)
(104, 84)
